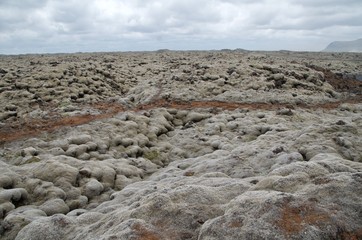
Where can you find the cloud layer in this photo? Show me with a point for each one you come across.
(122, 25)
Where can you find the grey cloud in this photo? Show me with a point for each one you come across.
(174, 15)
(326, 3)
(92, 24)
(305, 17)
(28, 4)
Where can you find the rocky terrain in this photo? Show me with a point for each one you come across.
(181, 145)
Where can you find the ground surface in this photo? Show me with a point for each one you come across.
(181, 145)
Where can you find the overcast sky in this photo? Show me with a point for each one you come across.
(48, 26)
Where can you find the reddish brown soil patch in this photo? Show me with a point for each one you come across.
(357, 235)
(18, 130)
(32, 127)
(294, 219)
(236, 224)
(143, 233)
(206, 104)
(343, 84)
(35, 126)
(339, 82)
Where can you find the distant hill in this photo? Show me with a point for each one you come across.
(345, 46)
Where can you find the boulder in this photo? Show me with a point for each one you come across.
(52, 170)
(54, 206)
(92, 188)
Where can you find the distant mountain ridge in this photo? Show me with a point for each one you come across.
(345, 46)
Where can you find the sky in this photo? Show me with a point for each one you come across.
(64, 26)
